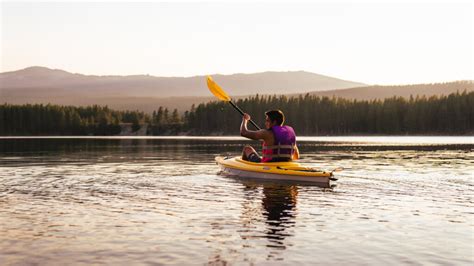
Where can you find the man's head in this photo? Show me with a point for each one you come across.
(274, 118)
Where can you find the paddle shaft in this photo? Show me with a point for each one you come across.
(242, 113)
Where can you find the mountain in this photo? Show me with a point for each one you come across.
(147, 93)
(53, 83)
(381, 92)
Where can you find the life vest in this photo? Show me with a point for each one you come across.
(284, 147)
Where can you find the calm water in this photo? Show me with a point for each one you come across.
(160, 201)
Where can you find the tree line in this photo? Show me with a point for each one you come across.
(39, 119)
(314, 115)
(308, 114)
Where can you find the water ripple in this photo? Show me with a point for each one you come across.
(155, 202)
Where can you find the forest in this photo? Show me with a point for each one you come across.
(39, 119)
(314, 115)
(309, 115)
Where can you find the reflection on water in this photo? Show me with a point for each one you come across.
(279, 203)
(160, 201)
(277, 207)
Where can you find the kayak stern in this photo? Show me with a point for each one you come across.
(282, 171)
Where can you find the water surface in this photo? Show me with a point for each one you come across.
(161, 201)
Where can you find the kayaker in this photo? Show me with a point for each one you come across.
(279, 141)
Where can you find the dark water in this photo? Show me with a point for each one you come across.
(160, 201)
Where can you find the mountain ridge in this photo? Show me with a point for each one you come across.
(148, 101)
(386, 91)
(147, 85)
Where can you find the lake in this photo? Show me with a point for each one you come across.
(160, 200)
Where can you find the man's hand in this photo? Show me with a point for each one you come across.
(296, 155)
(246, 117)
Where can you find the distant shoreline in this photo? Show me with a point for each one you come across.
(430, 139)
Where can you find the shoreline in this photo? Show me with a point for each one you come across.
(392, 140)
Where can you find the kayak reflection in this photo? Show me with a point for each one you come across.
(279, 209)
(269, 211)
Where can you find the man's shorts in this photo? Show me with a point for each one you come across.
(253, 157)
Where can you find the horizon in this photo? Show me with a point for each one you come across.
(366, 43)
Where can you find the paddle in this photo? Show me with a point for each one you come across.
(221, 95)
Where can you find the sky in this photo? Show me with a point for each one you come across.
(375, 43)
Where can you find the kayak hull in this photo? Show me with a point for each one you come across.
(282, 171)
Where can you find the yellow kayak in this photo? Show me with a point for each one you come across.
(285, 171)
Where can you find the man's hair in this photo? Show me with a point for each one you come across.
(276, 116)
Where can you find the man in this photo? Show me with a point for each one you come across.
(279, 142)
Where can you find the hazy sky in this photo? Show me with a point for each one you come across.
(367, 42)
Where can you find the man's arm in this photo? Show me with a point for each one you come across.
(261, 134)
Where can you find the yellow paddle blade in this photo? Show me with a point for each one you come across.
(217, 90)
